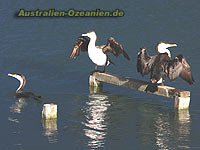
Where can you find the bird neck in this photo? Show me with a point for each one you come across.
(92, 43)
(21, 86)
(164, 50)
(168, 52)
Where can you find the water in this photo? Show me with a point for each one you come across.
(117, 118)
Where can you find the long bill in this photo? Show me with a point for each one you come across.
(172, 45)
(84, 34)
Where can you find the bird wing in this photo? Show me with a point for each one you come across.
(178, 67)
(81, 44)
(115, 48)
(144, 62)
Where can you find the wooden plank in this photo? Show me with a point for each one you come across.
(140, 85)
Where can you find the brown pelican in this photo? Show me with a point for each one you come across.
(98, 54)
(19, 92)
(162, 66)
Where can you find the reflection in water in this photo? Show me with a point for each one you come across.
(183, 117)
(49, 126)
(162, 133)
(17, 108)
(165, 130)
(50, 129)
(169, 131)
(95, 89)
(95, 113)
(13, 120)
(19, 104)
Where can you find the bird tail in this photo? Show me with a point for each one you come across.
(38, 98)
(152, 87)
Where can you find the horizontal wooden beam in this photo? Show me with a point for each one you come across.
(135, 84)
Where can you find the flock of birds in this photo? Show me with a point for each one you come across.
(161, 65)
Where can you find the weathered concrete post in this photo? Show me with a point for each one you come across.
(181, 102)
(95, 85)
(49, 111)
(49, 121)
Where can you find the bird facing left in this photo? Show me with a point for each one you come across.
(19, 92)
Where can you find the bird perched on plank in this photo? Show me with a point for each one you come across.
(98, 54)
(162, 66)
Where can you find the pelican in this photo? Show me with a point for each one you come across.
(162, 66)
(98, 54)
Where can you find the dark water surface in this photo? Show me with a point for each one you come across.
(117, 118)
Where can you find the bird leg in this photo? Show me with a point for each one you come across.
(162, 84)
(95, 70)
(107, 59)
(105, 65)
(104, 69)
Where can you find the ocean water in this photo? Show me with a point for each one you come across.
(116, 118)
